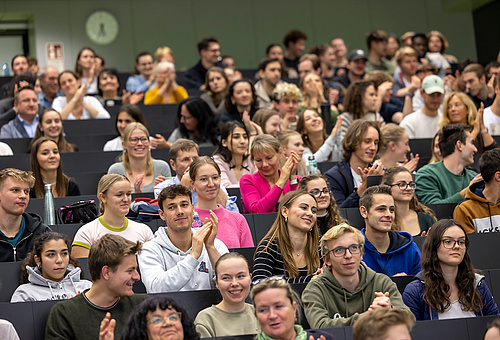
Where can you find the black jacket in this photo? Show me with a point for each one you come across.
(34, 227)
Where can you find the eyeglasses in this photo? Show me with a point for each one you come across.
(205, 180)
(159, 320)
(186, 117)
(135, 140)
(317, 192)
(450, 244)
(268, 279)
(353, 249)
(403, 185)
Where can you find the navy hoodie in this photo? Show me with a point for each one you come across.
(402, 256)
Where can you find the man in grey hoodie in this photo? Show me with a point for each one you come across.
(347, 288)
(179, 258)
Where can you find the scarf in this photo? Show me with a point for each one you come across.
(301, 334)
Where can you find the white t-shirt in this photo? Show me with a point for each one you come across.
(133, 231)
(492, 121)
(455, 312)
(419, 125)
(60, 103)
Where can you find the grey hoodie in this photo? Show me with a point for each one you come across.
(165, 268)
(41, 289)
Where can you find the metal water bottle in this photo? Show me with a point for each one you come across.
(312, 166)
(5, 70)
(50, 217)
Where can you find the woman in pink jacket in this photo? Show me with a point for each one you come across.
(261, 191)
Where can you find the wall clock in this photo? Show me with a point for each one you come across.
(102, 27)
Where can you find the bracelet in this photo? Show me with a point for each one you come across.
(294, 181)
(484, 131)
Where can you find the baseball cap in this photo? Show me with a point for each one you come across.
(356, 55)
(433, 84)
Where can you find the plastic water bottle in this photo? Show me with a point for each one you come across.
(197, 223)
(312, 166)
(5, 70)
(50, 217)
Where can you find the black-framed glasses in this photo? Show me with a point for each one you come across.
(353, 249)
(404, 185)
(317, 192)
(159, 320)
(450, 244)
(135, 140)
(268, 279)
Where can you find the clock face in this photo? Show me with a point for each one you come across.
(102, 27)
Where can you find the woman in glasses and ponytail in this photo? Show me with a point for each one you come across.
(448, 286)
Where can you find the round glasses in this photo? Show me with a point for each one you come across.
(403, 185)
(157, 321)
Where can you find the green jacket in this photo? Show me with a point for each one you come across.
(327, 304)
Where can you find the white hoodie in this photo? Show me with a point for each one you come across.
(165, 268)
(41, 289)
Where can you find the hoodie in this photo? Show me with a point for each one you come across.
(41, 289)
(476, 213)
(33, 227)
(413, 297)
(402, 256)
(327, 304)
(165, 268)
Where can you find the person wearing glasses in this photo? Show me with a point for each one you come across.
(137, 164)
(347, 288)
(386, 251)
(205, 176)
(275, 305)
(158, 317)
(290, 247)
(180, 258)
(448, 286)
(196, 121)
(411, 216)
(328, 214)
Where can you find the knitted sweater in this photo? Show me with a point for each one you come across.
(233, 231)
(65, 318)
(436, 184)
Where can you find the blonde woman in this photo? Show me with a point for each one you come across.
(166, 90)
(292, 141)
(459, 108)
(394, 148)
(114, 194)
(137, 164)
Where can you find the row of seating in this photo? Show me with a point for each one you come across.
(482, 250)
(29, 318)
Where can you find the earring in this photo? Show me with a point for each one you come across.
(286, 219)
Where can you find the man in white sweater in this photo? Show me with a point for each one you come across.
(423, 123)
(179, 258)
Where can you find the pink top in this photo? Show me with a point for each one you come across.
(234, 231)
(258, 196)
(228, 176)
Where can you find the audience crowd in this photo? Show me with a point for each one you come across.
(252, 142)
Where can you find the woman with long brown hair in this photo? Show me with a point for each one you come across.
(47, 169)
(50, 125)
(290, 247)
(448, 286)
(328, 214)
(411, 215)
